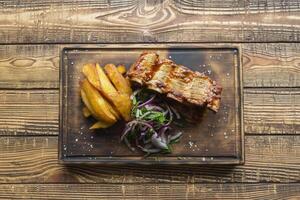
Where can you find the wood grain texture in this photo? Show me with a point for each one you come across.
(150, 191)
(117, 21)
(29, 66)
(29, 112)
(37, 66)
(272, 111)
(34, 160)
(27, 162)
(271, 65)
(35, 112)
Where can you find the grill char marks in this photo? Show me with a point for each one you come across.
(176, 81)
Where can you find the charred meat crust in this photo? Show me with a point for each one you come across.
(176, 81)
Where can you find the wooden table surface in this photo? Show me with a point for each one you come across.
(32, 33)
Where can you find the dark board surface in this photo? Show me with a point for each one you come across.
(216, 138)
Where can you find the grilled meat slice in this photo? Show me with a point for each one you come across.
(176, 81)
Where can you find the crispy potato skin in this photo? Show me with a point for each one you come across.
(123, 104)
(121, 101)
(89, 71)
(87, 103)
(106, 94)
(98, 104)
(117, 79)
(121, 69)
(101, 124)
(86, 112)
(106, 87)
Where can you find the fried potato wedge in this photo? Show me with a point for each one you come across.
(114, 111)
(101, 124)
(121, 101)
(86, 112)
(106, 87)
(121, 69)
(117, 79)
(87, 103)
(89, 71)
(101, 108)
(123, 104)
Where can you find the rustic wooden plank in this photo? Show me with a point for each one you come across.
(148, 21)
(271, 65)
(29, 66)
(34, 160)
(272, 111)
(29, 112)
(150, 191)
(35, 112)
(37, 66)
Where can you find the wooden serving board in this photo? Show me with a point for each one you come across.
(216, 139)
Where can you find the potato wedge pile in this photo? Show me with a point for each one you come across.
(106, 94)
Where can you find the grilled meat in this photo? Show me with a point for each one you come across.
(176, 81)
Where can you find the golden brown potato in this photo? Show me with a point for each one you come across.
(106, 87)
(87, 103)
(89, 70)
(121, 69)
(101, 124)
(86, 112)
(121, 102)
(101, 108)
(117, 79)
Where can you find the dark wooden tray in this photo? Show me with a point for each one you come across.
(216, 139)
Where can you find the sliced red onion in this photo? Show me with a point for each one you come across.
(135, 93)
(163, 130)
(171, 116)
(153, 107)
(154, 150)
(128, 144)
(177, 135)
(146, 124)
(164, 138)
(160, 136)
(158, 142)
(142, 135)
(166, 112)
(125, 132)
(130, 126)
(168, 139)
(175, 112)
(132, 123)
(144, 128)
(147, 102)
